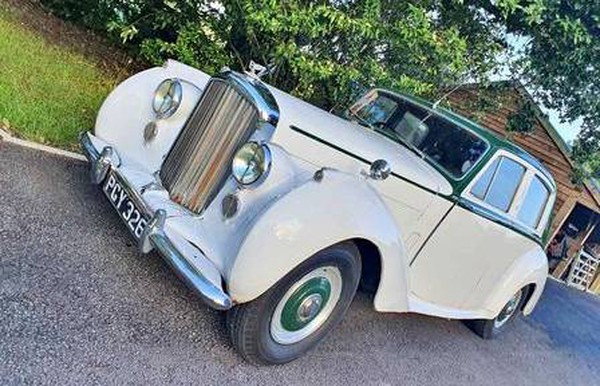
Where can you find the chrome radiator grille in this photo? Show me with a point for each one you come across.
(199, 161)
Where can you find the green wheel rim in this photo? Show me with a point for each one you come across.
(306, 305)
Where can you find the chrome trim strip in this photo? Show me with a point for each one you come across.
(256, 92)
(361, 159)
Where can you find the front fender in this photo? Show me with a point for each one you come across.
(309, 219)
(128, 109)
(531, 268)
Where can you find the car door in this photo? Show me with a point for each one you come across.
(477, 240)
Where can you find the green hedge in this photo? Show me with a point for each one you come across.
(320, 48)
(152, 30)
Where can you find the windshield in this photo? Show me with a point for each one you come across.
(453, 148)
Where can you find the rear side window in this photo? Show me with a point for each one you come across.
(499, 184)
(534, 203)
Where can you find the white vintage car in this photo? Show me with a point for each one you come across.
(277, 211)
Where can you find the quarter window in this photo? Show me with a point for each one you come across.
(499, 184)
(481, 187)
(534, 203)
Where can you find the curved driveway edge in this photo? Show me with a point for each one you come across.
(7, 137)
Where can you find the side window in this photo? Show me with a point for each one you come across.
(499, 184)
(534, 203)
(482, 185)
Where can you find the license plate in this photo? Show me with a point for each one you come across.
(126, 208)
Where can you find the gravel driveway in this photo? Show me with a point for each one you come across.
(79, 305)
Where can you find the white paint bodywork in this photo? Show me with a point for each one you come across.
(335, 210)
(128, 108)
(289, 217)
(491, 257)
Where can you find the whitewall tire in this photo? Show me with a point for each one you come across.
(299, 310)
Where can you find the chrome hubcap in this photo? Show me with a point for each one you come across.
(509, 309)
(310, 307)
(306, 305)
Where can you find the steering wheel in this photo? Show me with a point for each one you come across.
(378, 125)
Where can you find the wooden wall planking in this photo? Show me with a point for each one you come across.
(538, 143)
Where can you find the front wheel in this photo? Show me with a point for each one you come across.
(489, 329)
(299, 310)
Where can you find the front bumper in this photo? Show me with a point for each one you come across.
(154, 236)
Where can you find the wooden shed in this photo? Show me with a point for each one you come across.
(575, 226)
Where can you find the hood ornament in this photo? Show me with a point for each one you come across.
(257, 71)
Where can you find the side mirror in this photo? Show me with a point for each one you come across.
(380, 170)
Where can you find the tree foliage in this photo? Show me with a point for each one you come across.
(523, 120)
(560, 62)
(322, 47)
(319, 47)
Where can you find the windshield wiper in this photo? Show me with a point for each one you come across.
(409, 145)
(361, 121)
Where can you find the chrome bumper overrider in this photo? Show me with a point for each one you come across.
(154, 235)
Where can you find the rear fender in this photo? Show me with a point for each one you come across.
(311, 218)
(128, 109)
(531, 268)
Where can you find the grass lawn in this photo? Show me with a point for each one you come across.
(48, 93)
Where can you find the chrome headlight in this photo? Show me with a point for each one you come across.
(251, 162)
(167, 98)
